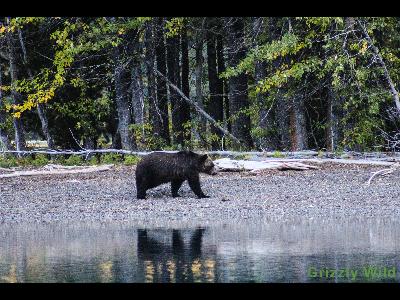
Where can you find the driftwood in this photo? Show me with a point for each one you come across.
(229, 165)
(383, 172)
(57, 169)
(7, 170)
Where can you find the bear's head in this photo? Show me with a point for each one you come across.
(206, 165)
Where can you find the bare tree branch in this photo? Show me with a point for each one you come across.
(197, 108)
(382, 63)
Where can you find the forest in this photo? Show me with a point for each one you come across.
(203, 83)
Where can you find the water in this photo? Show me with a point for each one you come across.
(298, 250)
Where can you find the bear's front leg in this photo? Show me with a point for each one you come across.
(194, 183)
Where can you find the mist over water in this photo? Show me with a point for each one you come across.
(298, 250)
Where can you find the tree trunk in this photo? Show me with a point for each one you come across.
(121, 78)
(154, 114)
(185, 108)
(89, 143)
(334, 134)
(282, 106)
(298, 132)
(223, 83)
(266, 121)
(174, 78)
(138, 108)
(238, 98)
(162, 96)
(199, 80)
(4, 139)
(20, 143)
(215, 103)
(282, 121)
(41, 109)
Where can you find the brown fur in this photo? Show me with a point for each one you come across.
(160, 167)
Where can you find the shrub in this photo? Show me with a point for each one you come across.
(131, 160)
(73, 160)
(92, 161)
(111, 158)
(278, 154)
(8, 161)
(40, 160)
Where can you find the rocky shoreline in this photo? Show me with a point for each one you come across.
(333, 190)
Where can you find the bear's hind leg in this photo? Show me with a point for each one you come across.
(175, 185)
(141, 194)
(141, 189)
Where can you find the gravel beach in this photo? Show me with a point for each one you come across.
(333, 190)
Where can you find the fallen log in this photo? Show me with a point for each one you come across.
(383, 172)
(7, 170)
(230, 165)
(57, 170)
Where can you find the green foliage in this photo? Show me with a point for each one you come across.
(278, 154)
(74, 160)
(174, 26)
(145, 139)
(243, 157)
(364, 135)
(318, 49)
(75, 37)
(131, 160)
(8, 161)
(92, 161)
(288, 44)
(73, 63)
(111, 158)
(40, 160)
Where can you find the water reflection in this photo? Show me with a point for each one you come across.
(174, 256)
(255, 251)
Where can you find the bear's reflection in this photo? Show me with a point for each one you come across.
(174, 255)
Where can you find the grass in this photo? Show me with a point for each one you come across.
(39, 160)
(278, 154)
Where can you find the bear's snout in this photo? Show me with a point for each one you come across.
(214, 171)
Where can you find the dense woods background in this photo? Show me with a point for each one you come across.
(243, 83)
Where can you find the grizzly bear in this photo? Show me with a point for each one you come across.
(159, 167)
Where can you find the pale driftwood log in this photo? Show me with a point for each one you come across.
(383, 172)
(57, 170)
(7, 170)
(229, 165)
